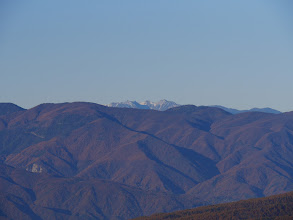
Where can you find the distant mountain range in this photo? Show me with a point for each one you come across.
(164, 105)
(236, 111)
(88, 161)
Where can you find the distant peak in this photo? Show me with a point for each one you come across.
(161, 105)
(7, 108)
(164, 104)
(236, 111)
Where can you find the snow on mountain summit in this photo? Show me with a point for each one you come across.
(164, 104)
(161, 105)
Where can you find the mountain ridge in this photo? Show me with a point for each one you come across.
(7, 108)
(179, 158)
(236, 111)
(164, 105)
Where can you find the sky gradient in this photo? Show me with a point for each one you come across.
(233, 53)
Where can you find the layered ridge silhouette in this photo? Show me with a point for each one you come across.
(84, 160)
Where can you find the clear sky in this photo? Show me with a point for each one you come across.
(236, 53)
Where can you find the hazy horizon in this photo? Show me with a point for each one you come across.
(106, 104)
(235, 54)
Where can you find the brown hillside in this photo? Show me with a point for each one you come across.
(273, 207)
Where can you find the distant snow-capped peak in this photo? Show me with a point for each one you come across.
(161, 105)
(164, 104)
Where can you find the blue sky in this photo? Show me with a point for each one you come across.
(233, 53)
